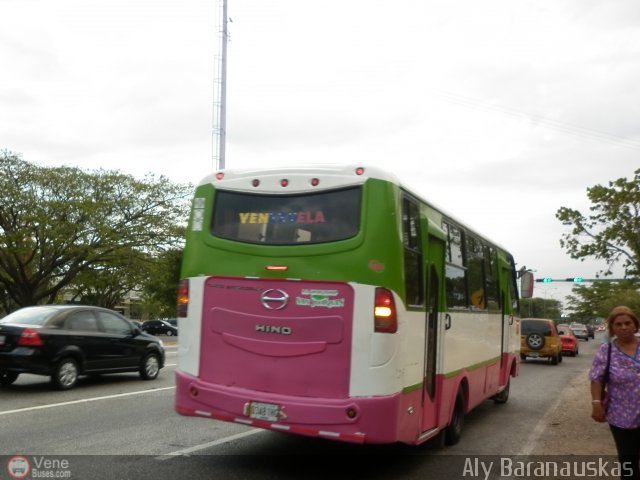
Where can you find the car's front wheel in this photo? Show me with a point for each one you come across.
(169, 333)
(7, 378)
(65, 374)
(150, 366)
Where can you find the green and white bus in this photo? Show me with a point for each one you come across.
(333, 302)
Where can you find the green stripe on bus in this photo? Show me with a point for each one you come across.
(471, 367)
(412, 388)
(418, 386)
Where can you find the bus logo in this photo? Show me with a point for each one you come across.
(274, 299)
(274, 329)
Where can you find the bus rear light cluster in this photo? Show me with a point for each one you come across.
(384, 312)
(315, 182)
(183, 298)
(284, 182)
(360, 171)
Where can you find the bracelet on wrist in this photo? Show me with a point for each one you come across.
(595, 401)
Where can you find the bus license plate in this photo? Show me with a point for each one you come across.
(264, 411)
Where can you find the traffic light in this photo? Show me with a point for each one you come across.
(575, 279)
(544, 280)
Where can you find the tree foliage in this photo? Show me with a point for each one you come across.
(161, 289)
(612, 231)
(596, 301)
(541, 308)
(64, 225)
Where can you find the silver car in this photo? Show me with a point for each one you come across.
(580, 331)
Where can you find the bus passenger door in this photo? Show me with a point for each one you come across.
(510, 328)
(430, 392)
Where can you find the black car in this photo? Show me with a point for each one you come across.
(173, 321)
(66, 341)
(159, 327)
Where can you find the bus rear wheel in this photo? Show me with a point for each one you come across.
(453, 432)
(503, 396)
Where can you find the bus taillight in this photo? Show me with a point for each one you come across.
(183, 298)
(384, 313)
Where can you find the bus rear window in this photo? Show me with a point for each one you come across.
(287, 219)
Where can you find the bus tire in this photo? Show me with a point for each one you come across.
(7, 378)
(503, 396)
(453, 431)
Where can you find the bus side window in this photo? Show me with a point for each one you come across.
(414, 284)
(455, 272)
(491, 278)
(475, 273)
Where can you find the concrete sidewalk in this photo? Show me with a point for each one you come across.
(568, 428)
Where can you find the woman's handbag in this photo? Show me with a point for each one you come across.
(605, 379)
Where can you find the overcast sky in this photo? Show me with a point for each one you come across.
(499, 111)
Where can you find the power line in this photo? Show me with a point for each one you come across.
(564, 127)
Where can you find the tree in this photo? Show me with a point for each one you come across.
(106, 285)
(56, 223)
(612, 231)
(160, 290)
(597, 300)
(541, 308)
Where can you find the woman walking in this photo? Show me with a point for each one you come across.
(616, 365)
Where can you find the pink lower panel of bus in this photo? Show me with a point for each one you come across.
(277, 336)
(356, 420)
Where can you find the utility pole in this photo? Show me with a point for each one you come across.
(220, 88)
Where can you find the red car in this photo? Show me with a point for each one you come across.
(570, 343)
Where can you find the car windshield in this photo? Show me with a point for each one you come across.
(30, 316)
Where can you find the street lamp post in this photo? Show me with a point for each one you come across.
(544, 299)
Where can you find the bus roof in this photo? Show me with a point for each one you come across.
(358, 173)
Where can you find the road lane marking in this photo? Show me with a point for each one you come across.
(85, 400)
(202, 446)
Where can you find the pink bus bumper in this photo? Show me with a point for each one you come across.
(356, 420)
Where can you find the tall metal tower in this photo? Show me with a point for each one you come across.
(220, 88)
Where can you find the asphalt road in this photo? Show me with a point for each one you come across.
(118, 426)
